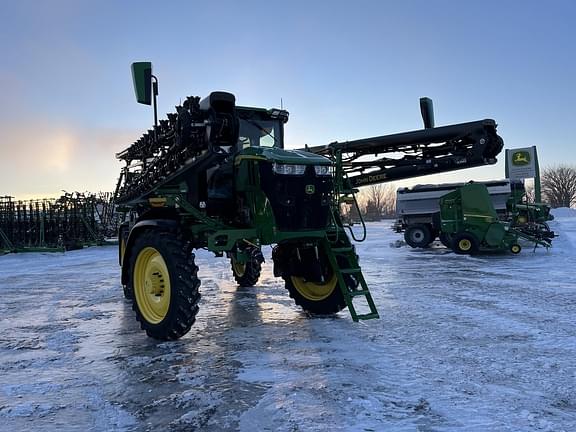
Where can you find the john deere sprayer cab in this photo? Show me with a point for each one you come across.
(216, 176)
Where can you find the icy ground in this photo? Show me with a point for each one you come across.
(464, 343)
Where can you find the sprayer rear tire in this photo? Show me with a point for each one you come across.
(247, 274)
(418, 236)
(465, 244)
(164, 282)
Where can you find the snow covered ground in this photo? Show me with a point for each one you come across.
(464, 343)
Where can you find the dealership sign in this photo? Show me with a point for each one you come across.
(521, 163)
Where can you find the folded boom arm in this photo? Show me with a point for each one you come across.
(412, 154)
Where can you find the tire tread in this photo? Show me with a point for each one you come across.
(184, 283)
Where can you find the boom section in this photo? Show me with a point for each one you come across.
(399, 156)
(190, 144)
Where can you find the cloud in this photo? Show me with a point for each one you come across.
(43, 152)
(58, 150)
(40, 159)
(36, 148)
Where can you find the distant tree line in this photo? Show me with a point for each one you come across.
(375, 203)
(559, 185)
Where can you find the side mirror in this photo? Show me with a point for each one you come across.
(427, 110)
(142, 79)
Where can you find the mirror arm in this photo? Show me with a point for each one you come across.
(155, 94)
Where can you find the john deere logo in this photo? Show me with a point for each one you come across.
(521, 158)
(310, 189)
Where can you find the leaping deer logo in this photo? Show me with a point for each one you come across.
(521, 158)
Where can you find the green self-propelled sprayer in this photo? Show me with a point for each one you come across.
(216, 176)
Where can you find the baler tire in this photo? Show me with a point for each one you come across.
(163, 278)
(446, 240)
(247, 274)
(465, 244)
(418, 236)
(515, 248)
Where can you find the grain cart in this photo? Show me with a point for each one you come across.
(469, 219)
(216, 176)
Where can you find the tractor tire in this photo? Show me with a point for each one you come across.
(515, 248)
(128, 294)
(418, 236)
(247, 274)
(164, 282)
(122, 239)
(465, 244)
(446, 240)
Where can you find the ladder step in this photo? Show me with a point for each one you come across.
(359, 293)
(342, 249)
(351, 270)
(368, 316)
(346, 251)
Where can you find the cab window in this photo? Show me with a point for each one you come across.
(259, 133)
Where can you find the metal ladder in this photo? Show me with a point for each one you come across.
(339, 249)
(344, 260)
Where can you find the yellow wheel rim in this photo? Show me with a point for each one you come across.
(313, 291)
(465, 244)
(152, 285)
(515, 249)
(238, 268)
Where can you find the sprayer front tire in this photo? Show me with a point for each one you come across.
(164, 282)
(324, 298)
(247, 274)
(418, 236)
(316, 298)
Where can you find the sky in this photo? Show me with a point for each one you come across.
(344, 70)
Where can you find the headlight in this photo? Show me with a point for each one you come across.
(288, 169)
(323, 170)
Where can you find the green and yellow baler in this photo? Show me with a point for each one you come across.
(469, 220)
